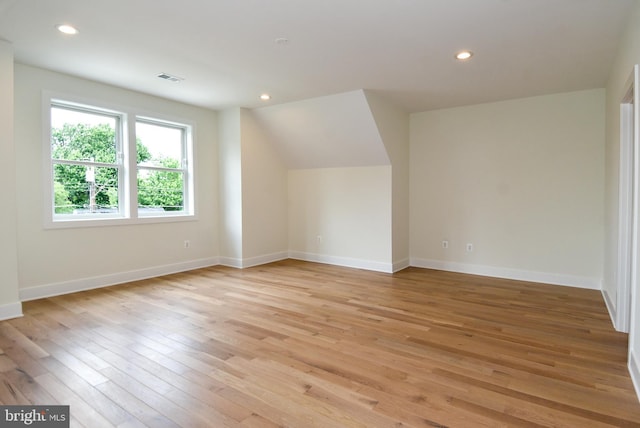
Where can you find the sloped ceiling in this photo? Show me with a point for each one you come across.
(326, 132)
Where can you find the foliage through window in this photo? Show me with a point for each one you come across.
(84, 152)
(161, 167)
(90, 161)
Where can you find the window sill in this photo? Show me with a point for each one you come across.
(115, 221)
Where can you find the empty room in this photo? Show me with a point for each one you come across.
(249, 213)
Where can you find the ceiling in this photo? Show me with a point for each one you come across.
(229, 51)
(333, 131)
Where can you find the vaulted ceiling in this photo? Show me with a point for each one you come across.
(231, 51)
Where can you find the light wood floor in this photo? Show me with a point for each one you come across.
(295, 344)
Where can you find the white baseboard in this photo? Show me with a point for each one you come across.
(634, 371)
(401, 264)
(253, 261)
(342, 261)
(10, 310)
(611, 308)
(515, 274)
(56, 289)
(267, 258)
(231, 262)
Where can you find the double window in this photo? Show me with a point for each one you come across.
(110, 166)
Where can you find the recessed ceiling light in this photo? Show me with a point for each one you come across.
(462, 55)
(67, 29)
(265, 97)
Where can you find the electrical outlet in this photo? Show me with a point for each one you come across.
(445, 244)
(187, 243)
(319, 239)
(469, 248)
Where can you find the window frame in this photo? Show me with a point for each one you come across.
(125, 160)
(185, 161)
(120, 153)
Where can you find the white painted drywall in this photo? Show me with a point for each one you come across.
(9, 305)
(393, 127)
(66, 256)
(264, 195)
(341, 216)
(521, 180)
(230, 173)
(628, 55)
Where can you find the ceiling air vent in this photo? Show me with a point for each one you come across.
(170, 77)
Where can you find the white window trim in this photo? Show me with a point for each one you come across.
(121, 144)
(187, 159)
(128, 188)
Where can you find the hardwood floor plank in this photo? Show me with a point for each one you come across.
(10, 335)
(166, 407)
(183, 393)
(135, 406)
(83, 412)
(297, 344)
(9, 393)
(83, 388)
(30, 391)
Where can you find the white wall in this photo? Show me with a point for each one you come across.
(349, 208)
(628, 55)
(264, 196)
(230, 172)
(253, 192)
(9, 304)
(393, 127)
(521, 180)
(337, 149)
(54, 261)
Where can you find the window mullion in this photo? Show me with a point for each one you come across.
(131, 170)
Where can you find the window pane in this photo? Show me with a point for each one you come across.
(81, 189)
(159, 145)
(89, 166)
(160, 191)
(81, 135)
